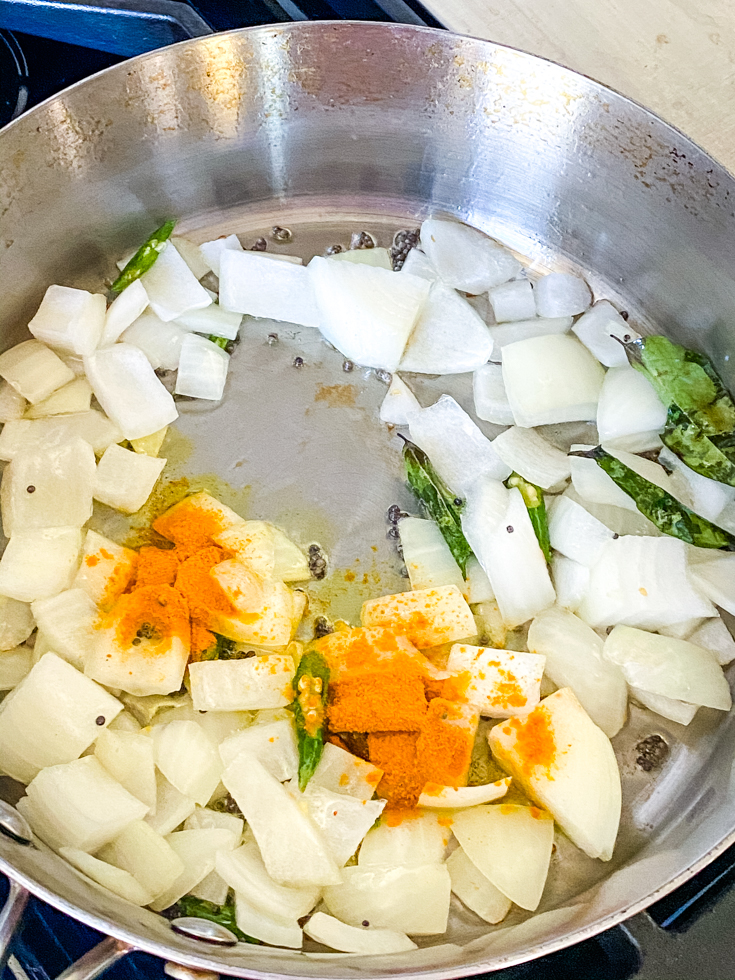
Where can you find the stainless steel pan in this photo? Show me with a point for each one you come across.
(325, 129)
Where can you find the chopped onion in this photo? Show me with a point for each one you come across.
(72, 398)
(562, 294)
(34, 370)
(499, 683)
(575, 532)
(109, 571)
(271, 929)
(123, 311)
(427, 556)
(506, 546)
(68, 622)
(243, 869)
(143, 853)
(664, 665)
(188, 758)
(574, 659)
(427, 617)
(16, 622)
(458, 797)
(212, 251)
(582, 792)
(449, 337)
(128, 757)
(172, 807)
(513, 301)
(643, 582)
(342, 820)
(367, 314)
(411, 843)
(678, 711)
(71, 320)
(329, 931)
(511, 845)
(25, 435)
(598, 328)
(214, 319)
(242, 685)
(172, 287)
(593, 483)
(706, 497)
(125, 479)
(204, 819)
(343, 772)
(127, 388)
(12, 403)
(192, 255)
(202, 368)
(477, 586)
(511, 333)
(714, 577)
(399, 404)
(273, 744)
(551, 379)
(197, 850)
(213, 889)
(620, 520)
(471, 886)
(630, 414)
(531, 456)
(571, 581)
(491, 400)
(419, 264)
(254, 284)
(40, 563)
(466, 258)
(714, 636)
(160, 341)
(457, 448)
(114, 879)
(377, 257)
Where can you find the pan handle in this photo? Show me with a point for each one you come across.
(10, 917)
(100, 958)
(123, 27)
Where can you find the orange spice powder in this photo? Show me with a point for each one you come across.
(203, 594)
(444, 747)
(156, 611)
(380, 701)
(534, 740)
(156, 567)
(395, 754)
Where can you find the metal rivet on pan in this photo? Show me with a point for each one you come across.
(13, 825)
(281, 235)
(204, 930)
(652, 753)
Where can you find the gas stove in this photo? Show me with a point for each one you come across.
(46, 45)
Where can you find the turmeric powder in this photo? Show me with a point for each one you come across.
(156, 567)
(154, 612)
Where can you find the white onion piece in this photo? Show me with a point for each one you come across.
(188, 758)
(367, 314)
(243, 869)
(620, 520)
(271, 929)
(574, 659)
(507, 548)
(704, 496)
(213, 889)
(562, 294)
(128, 390)
(449, 337)
(419, 264)
(571, 581)
(725, 520)
(715, 578)
(343, 772)
(667, 666)
(643, 582)
(172, 287)
(491, 400)
(379, 258)
(197, 850)
(16, 623)
(511, 333)
(62, 478)
(427, 617)
(513, 301)
(212, 319)
(254, 284)
(40, 563)
(68, 621)
(629, 413)
(531, 456)
(576, 533)
(192, 255)
(511, 845)
(412, 843)
(12, 403)
(212, 251)
(160, 341)
(471, 886)
(70, 320)
(458, 797)
(551, 379)
(273, 744)
(72, 398)
(125, 479)
(34, 370)
(114, 879)
(128, 757)
(598, 328)
(593, 483)
(457, 448)
(477, 585)
(399, 404)
(202, 368)
(465, 258)
(499, 683)
(581, 786)
(427, 556)
(205, 819)
(172, 807)
(678, 711)
(143, 853)
(342, 820)
(329, 931)
(29, 434)
(683, 630)
(714, 636)
(249, 684)
(123, 311)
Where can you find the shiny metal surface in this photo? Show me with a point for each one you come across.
(326, 129)
(204, 930)
(10, 917)
(14, 825)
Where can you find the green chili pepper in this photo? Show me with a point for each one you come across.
(200, 908)
(686, 379)
(660, 507)
(223, 649)
(711, 456)
(533, 498)
(311, 685)
(144, 257)
(219, 341)
(442, 506)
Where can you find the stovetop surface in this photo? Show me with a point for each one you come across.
(688, 934)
